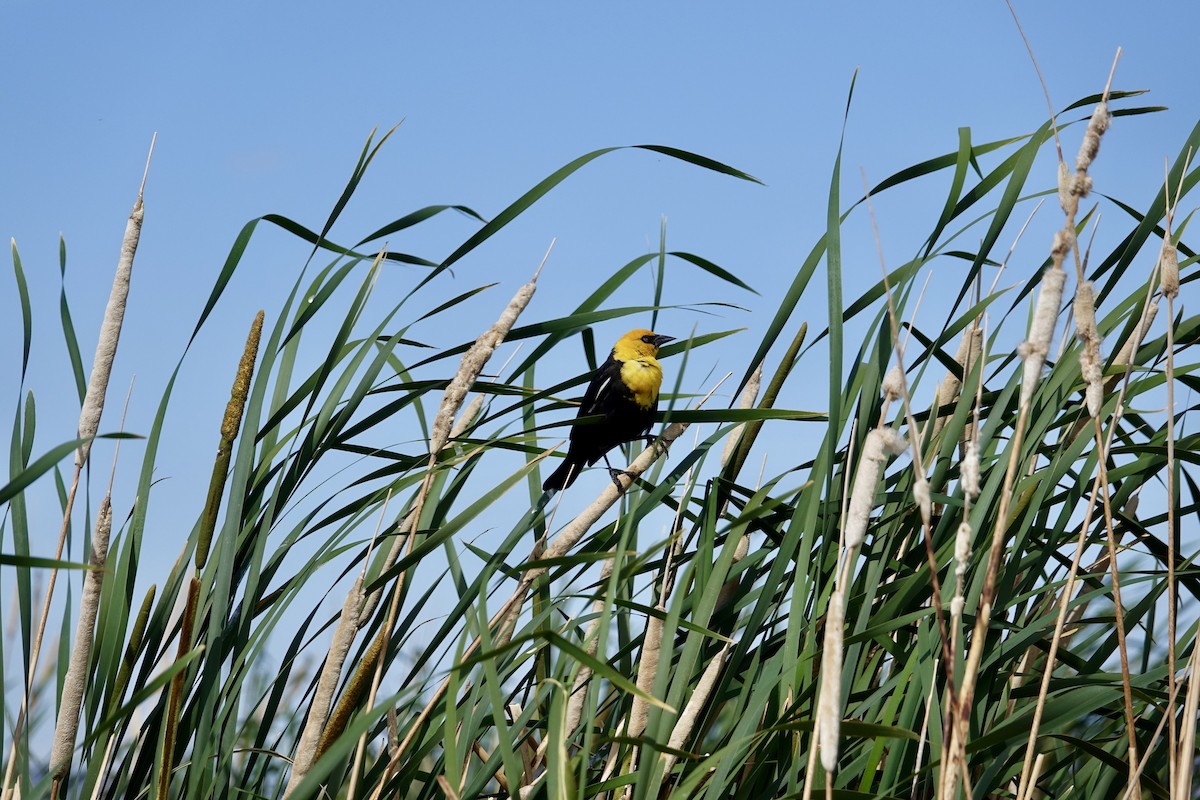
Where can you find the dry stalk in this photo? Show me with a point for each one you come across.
(921, 490)
(686, 722)
(76, 679)
(1170, 290)
(471, 366)
(1187, 733)
(591, 644)
(1033, 351)
(331, 670)
(829, 705)
(89, 423)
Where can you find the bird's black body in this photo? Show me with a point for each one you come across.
(611, 398)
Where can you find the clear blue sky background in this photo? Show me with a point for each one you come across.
(263, 108)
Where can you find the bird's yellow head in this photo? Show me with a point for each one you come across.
(639, 343)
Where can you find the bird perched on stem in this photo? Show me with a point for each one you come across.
(624, 394)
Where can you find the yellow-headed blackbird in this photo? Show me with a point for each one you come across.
(624, 391)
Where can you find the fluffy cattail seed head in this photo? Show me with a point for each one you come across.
(881, 442)
(829, 705)
(1064, 187)
(969, 470)
(962, 543)
(922, 497)
(1170, 271)
(893, 384)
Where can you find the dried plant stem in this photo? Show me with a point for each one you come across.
(1119, 614)
(331, 672)
(1146, 758)
(471, 366)
(956, 750)
(67, 725)
(89, 422)
(1187, 733)
(1169, 283)
(1180, 791)
(921, 490)
(1064, 601)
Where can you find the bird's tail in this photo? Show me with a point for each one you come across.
(564, 476)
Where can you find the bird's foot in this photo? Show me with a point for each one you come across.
(613, 472)
(651, 439)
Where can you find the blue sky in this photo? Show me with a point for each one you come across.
(263, 108)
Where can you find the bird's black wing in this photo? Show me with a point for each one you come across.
(604, 388)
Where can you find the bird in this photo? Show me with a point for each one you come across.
(624, 392)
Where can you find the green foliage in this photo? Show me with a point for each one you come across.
(559, 688)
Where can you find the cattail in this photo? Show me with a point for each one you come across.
(695, 706)
(1091, 138)
(647, 670)
(829, 706)
(1170, 270)
(893, 384)
(969, 348)
(76, 678)
(922, 498)
(467, 417)
(880, 443)
(1080, 184)
(1089, 355)
(962, 547)
(747, 400)
(1064, 187)
(957, 603)
(1034, 349)
(110, 334)
(472, 365)
(1125, 354)
(331, 672)
(969, 470)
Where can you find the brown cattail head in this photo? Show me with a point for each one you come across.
(1090, 362)
(1064, 187)
(1170, 270)
(1091, 139)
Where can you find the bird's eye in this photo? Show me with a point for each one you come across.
(648, 339)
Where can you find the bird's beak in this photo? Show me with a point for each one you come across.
(659, 341)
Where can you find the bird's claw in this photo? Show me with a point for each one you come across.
(613, 472)
(650, 441)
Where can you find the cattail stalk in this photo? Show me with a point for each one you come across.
(1090, 361)
(748, 397)
(89, 422)
(231, 423)
(1169, 284)
(829, 705)
(880, 445)
(471, 366)
(969, 348)
(331, 671)
(76, 678)
(686, 722)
